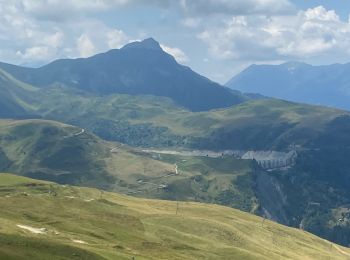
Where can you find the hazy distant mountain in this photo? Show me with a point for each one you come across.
(137, 68)
(300, 82)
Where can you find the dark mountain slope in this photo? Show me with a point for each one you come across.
(300, 82)
(13, 96)
(137, 68)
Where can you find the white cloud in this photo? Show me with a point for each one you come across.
(25, 39)
(321, 14)
(60, 10)
(177, 53)
(55, 40)
(191, 22)
(237, 7)
(85, 46)
(116, 39)
(309, 33)
(37, 53)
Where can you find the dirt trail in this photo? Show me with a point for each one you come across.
(338, 248)
(341, 250)
(80, 133)
(33, 230)
(79, 241)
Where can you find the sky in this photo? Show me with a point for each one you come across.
(216, 38)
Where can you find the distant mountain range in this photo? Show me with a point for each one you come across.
(139, 68)
(299, 82)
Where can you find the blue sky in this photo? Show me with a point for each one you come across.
(217, 38)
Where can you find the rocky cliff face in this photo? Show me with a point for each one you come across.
(272, 198)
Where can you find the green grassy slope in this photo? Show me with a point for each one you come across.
(62, 153)
(82, 223)
(53, 151)
(14, 96)
(266, 124)
(226, 181)
(155, 121)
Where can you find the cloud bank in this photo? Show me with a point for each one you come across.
(310, 33)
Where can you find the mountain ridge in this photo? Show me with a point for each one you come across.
(327, 85)
(139, 68)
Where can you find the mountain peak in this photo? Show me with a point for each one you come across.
(149, 44)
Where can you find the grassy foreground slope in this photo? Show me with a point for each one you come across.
(40, 219)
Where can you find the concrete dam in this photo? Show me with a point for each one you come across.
(271, 159)
(266, 159)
